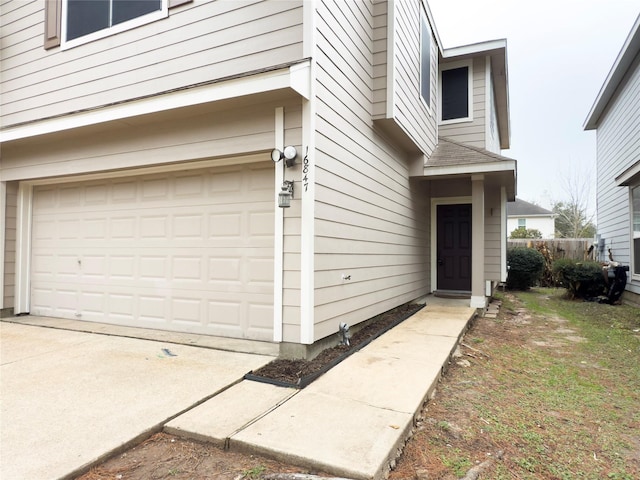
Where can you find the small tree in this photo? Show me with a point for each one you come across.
(572, 217)
(522, 232)
(572, 221)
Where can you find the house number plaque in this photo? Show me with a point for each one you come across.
(305, 170)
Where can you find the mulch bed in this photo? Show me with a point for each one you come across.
(299, 373)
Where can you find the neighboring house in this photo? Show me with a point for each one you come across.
(521, 214)
(138, 185)
(615, 116)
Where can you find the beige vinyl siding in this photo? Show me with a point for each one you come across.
(408, 110)
(472, 132)
(368, 224)
(618, 147)
(380, 35)
(492, 234)
(411, 113)
(10, 244)
(182, 136)
(199, 42)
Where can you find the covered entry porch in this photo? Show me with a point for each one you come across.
(469, 188)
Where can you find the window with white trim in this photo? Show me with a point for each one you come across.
(425, 60)
(88, 20)
(522, 223)
(635, 228)
(456, 92)
(68, 23)
(88, 16)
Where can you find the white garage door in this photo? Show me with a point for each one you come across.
(189, 251)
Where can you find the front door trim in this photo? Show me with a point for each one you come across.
(434, 231)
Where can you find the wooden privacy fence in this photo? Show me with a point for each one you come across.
(574, 248)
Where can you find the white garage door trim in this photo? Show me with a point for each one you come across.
(25, 216)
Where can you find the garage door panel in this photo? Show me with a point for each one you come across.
(186, 252)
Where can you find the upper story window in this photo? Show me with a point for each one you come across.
(89, 16)
(456, 92)
(68, 23)
(425, 60)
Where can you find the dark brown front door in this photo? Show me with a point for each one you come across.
(454, 247)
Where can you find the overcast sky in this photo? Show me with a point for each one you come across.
(559, 54)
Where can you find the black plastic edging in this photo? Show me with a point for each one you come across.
(306, 380)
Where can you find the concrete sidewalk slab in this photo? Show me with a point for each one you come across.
(353, 420)
(229, 412)
(372, 379)
(70, 398)
(342, 436)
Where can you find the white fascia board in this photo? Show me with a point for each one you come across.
(475, 48)
(295, 77)
(501, 166)
(627, 177)
(622, 63)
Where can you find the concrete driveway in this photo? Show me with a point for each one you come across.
(68, 398)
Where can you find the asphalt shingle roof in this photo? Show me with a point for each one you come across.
(449, 152)
(525, 209)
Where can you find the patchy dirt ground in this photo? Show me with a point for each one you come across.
(525, 399)
(529, 397)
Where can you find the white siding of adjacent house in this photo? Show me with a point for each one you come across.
(368, 224)
(546, 225)
(472, 132)
(199, 42)
(618, 147)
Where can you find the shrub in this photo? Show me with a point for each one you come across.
(525, 268)
(581, 279)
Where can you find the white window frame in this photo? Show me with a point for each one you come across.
(424, 19)
(523, 221)
(632, 235)
(451, 66)
(107, 32)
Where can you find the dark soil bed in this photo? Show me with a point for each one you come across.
(299, 373)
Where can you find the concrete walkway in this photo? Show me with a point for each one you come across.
(354, 420)
(70, 398)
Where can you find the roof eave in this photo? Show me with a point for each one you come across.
(622, 63)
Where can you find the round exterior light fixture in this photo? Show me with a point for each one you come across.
(289, 154)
